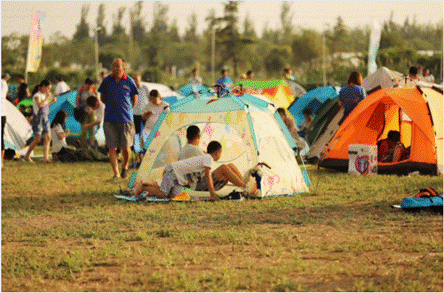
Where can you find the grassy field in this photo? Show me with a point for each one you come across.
(62, 230)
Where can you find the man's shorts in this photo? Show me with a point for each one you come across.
(170, 185)
(119, 134)
(201, 184)
(40, 124)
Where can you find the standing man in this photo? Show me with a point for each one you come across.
(196, 79)
(5, 79)
(23, 90)
(61, 86)
(225, 82)
(119, 94)
(142, 102)
(4, 89)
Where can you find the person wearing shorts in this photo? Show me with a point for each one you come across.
(182, 173)
(119, 94)
(142, 101)
(42, 99)
(220, 176)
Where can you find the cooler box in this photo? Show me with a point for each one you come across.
(362, 159)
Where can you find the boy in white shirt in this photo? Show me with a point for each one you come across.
(61, 86)
(183, 173)
(221, 175)
(153, 110)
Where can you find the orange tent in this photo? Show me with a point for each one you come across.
(402, 109)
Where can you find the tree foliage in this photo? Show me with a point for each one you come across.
(82, 31)
(156, 48)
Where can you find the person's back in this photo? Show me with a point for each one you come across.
(350, 96)
(57, 142)
(191, 168)
(61, 87)
(189, 151)
(22, 90)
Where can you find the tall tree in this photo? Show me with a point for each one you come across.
(228, 36)
(277, 59)
(101, 25)
(14, 50)
(173, 32)
(157, 34)
(270, 35)
(287, 25)
(307, 46)
(191, 30)
(338, 38)
(118, 28)
(249, 31)
(137, 23)
(82, 31)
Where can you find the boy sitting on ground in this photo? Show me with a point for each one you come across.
(183, 173)
(221, 175)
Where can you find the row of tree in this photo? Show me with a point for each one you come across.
(159, 49)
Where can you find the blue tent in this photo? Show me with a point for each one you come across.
(312, 99)
(67, 102)
(195, 89)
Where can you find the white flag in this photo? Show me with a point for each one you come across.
(375, 37)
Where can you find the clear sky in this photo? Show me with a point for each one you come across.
(63, 16)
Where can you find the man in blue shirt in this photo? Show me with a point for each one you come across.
(119, 94)
(225, 82)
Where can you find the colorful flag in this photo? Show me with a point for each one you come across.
(375, 37)
(35, 43)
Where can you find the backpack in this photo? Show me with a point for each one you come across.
(79, 114)
(426, 200)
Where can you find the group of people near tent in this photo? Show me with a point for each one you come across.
(378, 116)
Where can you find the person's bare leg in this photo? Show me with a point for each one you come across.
(113, 160)
(126, 154)
(235, 170)
(46, 143)
(225, 173)
(32, 146)
(152, 189)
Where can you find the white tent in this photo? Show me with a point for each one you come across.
(249, 133)
(17, 128)
(386, 78)
(164, 91)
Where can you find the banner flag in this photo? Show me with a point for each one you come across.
(375, 37)
(35, 43)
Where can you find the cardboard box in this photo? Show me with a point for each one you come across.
(362, 159)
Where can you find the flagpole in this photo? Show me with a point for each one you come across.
(29, 48)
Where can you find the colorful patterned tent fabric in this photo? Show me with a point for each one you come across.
(249, 133)
(277, 90)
